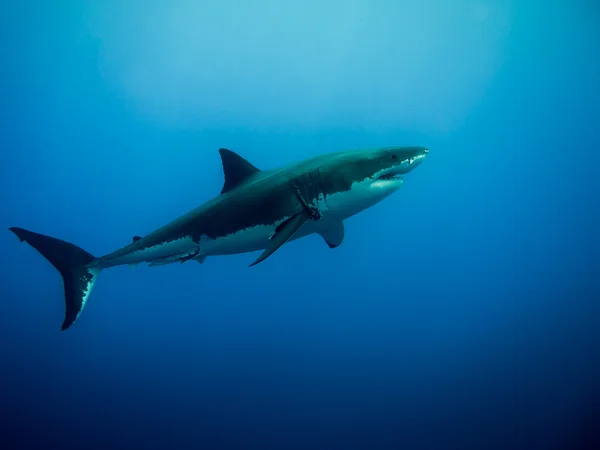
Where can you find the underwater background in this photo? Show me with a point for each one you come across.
(460, 313)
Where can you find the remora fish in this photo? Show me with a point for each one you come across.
(256, 210)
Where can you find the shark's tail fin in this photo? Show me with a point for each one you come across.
(71, 261)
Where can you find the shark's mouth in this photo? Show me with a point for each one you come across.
(389, 176)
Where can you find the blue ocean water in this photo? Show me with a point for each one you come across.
(462, 312)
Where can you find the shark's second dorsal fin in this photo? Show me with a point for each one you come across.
(136, 238)
(235, 168)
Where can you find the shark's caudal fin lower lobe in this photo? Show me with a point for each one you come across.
(71, 262)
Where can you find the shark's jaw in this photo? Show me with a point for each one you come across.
(391, 178)
(388, 182)
(375, 187)
(402, 167)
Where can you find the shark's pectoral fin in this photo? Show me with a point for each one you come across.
(200, 258)
(283, 233)
(333, 234)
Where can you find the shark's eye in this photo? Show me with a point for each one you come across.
(394, 156)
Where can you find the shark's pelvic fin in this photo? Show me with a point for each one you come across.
(72, 262)
(333, 234)
(235, 169)
(284, 233)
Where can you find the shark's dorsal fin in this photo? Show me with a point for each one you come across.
(235, 168)
(136, 238)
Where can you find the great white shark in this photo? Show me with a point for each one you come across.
(256, 210)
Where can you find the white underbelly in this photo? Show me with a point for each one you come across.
(253, 239)
(182, 247)
(256, 238)
(247, 240)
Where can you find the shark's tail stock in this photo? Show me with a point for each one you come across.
(71, 261)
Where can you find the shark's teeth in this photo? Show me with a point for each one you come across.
(389, 176)
(415, 158)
